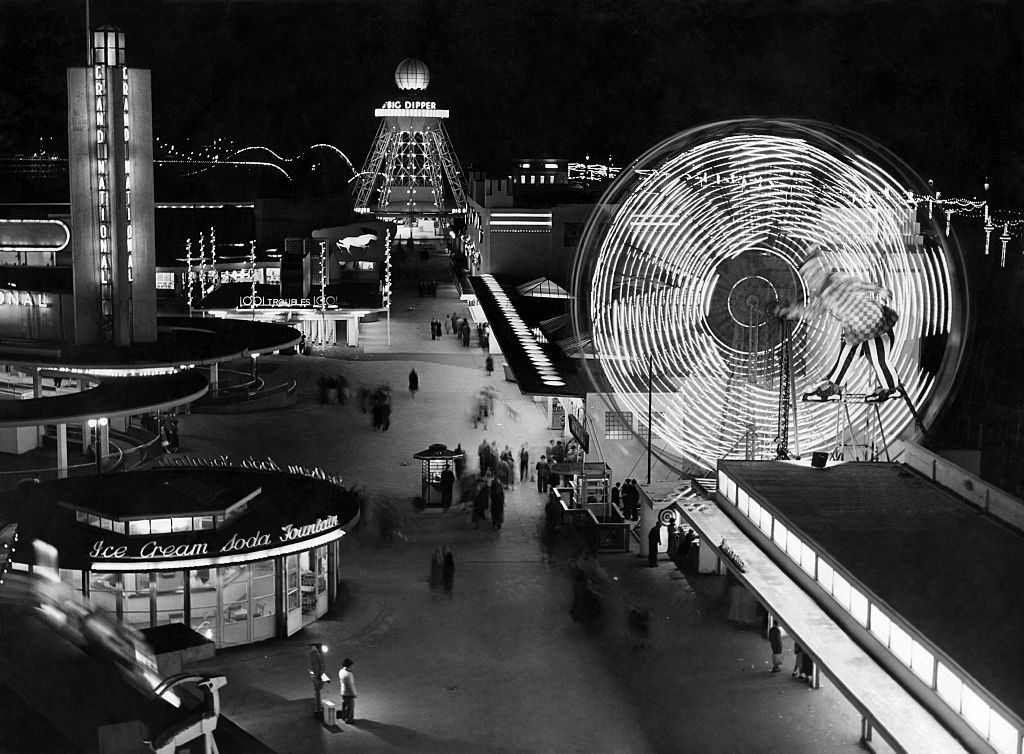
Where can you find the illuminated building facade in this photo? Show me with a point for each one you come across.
(110, 148)
(411, 170)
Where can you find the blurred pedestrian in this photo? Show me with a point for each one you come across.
(414, 382)
(481, 501)
(460, 461)
(775, 642)
(552, 512)
(639, 625)
(497, 505)
(489, 365)
(436, 571)
(347, 686)
(524, 463)
(447, 324)
(616, 496)
(798, 662)
(448, 573)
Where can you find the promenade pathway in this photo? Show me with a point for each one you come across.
(500, 667)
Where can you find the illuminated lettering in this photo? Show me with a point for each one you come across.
(246, 543)
(28, 299)
(291, 532)
(101, 551)
(154, 550)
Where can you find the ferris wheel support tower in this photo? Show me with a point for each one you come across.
(411, 171)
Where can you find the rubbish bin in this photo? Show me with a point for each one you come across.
(330, 713)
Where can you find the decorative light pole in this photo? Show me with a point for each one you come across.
(202, 266)
(323, 296)
(252, 276)
(188, 274)
(213, 257)
(386, 292)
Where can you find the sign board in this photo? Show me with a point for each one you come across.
(577, 430)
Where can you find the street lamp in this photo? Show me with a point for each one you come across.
(254, 372)
(317, 675)
(96, 427)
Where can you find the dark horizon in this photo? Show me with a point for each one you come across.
(934, 82)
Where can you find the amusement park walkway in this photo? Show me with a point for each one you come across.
(500, 667)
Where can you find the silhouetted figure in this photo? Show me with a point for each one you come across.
(653, 542)
(414, 382)
(448, 573)
(447, 482)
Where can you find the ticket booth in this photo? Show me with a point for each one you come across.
(433, 461)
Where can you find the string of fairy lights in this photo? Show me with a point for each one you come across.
(1009, 223)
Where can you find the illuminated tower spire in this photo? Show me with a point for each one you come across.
(110, 148)
(412, 169)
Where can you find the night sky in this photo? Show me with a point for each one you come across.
(938, 82)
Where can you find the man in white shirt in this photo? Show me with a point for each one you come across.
(347, 685)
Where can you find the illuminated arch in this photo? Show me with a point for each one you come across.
(693, 246)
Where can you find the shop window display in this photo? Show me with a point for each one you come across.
(170, 597)
(135, 600)
(103, 590)
(235, 610)
(204, 588)
(263, 592)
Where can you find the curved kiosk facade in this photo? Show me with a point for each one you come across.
(240, 555)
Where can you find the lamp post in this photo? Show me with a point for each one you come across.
(97, 428)
(317, 675)
(254, 371)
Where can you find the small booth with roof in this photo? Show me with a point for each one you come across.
(433, 462)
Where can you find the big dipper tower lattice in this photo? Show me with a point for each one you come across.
(412, 170)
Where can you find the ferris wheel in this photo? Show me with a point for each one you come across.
(680, 271)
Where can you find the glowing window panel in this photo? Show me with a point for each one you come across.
(765, 522)
(841, 590)
(949, 686)
(743, 501)
(1002, 734)
(859, 606)
(900, 643)
(696, 243)
(880, 624)
(922, 662)
(975, 710)
(779, 535)
(825, 573)
(794, 545)
(808, 560)
(755, 511)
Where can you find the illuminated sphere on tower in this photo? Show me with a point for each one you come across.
(412, 75)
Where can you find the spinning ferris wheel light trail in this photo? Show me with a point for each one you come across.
(698, 242)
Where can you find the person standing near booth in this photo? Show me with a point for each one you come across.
(347, 686)
(446, 483)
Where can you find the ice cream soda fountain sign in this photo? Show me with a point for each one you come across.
(153, 550)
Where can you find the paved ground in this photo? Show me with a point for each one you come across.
(501, 666)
